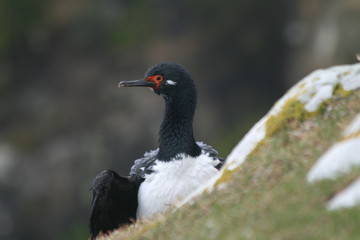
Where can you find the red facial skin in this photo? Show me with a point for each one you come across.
(157, 79)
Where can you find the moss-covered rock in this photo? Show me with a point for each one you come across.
(267, 196)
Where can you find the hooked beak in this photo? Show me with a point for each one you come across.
(136, 83)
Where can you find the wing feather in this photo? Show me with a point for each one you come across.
(114, 202)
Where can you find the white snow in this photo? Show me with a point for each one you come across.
(339, 159)
(323, 93)
(347, 198)
(352, 80)
(312, 91)
(353, 128)
(344, 155)
(246, 145)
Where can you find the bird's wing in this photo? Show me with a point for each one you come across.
(114, 202)
(207, 149)
(143, 166)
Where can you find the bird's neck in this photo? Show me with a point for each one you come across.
(176, 131)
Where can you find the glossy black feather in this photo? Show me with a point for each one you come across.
(114, 202)
(115, 198)
(176, 130)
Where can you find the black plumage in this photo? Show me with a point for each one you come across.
(114, 197)
(114, 202)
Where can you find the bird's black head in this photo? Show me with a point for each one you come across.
(174, 84)
(167, 79)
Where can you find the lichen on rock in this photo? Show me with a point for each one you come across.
(305, 100)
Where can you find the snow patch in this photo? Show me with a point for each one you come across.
(246, 145)
(342, 156)
(312, 91)
(339, 159)
(347, 198)
(323, 93)
(352, 80)
(353, 128)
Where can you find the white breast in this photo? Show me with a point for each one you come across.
(171, 182)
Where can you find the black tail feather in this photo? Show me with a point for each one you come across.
(114, 202)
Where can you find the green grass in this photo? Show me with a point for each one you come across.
(268, 197)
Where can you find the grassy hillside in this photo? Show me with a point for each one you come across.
(268, 196)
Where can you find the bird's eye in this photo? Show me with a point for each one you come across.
(157, 79)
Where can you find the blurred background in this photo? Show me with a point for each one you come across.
(63, 119)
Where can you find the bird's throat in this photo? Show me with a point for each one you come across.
(176, 131)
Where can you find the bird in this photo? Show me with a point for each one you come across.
(166, 175)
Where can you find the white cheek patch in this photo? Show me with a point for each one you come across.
(170, 82)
